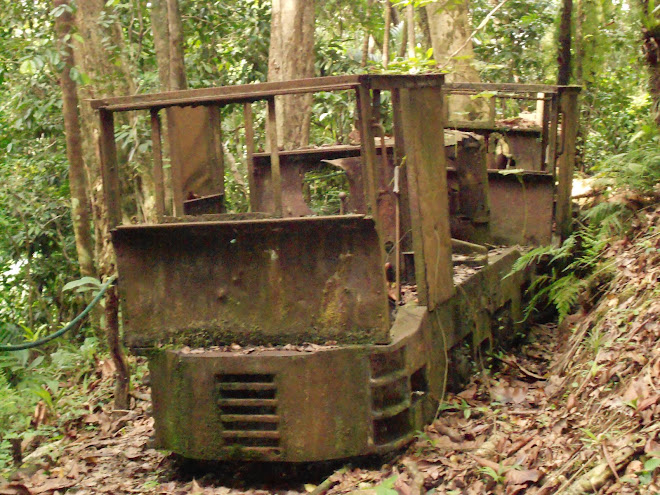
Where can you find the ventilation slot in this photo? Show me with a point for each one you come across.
(386, 363)
(419, 384)
(388, 430)
(390, 396)
(248, 411)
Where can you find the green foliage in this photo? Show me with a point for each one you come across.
(513, 46)
(27, 379)
(638, 168)
(569, 270)
(322, 189)
(386, 487)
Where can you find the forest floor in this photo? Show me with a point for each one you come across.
(576, 409)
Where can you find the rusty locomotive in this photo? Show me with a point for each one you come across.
(274, 334)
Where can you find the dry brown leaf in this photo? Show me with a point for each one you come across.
(509, 395)
(195, 489)
(53, 484)
(571, 402)
(14, 489)
(107, 368)
(487, 463)
(638, 389)
(522, 476)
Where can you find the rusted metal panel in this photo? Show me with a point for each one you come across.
(472, 182)
(291, 176)
(348, 401)
(405, 241)
(272, 398)
(521, 207)
(257, 281)
(193, 152)
(553, 133)
(526, 149)
(294, 165)
(228, 405)
(524, 143)
(217, 164)
(205, 205)
(427, 182)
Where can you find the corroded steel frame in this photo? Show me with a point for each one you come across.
(548, 148)
(274, 276)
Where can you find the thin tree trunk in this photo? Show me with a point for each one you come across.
(452, 47)
(177, 66)
(367, 35)
(450, 28)
(580, 42)
(651, 47)
(123, 382)
(386, 34)
(396, 20)
(108, 79)
(410, 24)
(291, 56)
(161, 32)
(424, 26)
(80, 204)
(564, 44)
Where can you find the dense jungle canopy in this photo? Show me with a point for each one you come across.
(54, 55)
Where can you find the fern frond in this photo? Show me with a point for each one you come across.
(564, 293)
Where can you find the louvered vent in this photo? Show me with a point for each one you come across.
(248, 409)
(390, 397)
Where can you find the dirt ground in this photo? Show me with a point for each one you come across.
(575, 410)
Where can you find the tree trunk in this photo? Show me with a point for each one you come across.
(80, 204)
(580, 42)
(367, 36)
(425, 27)
(651, 47)
(450, 28)
(564, 44)
(161, 32)
(386, 34)
(401, 53)
(291, 56)
(109, 78)
(452, 48)
(177, 66)
(410, 25)
(123, 381)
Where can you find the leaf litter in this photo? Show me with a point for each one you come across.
(576, 410)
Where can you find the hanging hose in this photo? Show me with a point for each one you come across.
(69, 326)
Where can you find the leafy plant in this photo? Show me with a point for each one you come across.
(386, 487)
(569, 270)
(499, 475)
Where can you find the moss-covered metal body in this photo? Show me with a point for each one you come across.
(275, 335)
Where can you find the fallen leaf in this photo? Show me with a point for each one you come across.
(14, 489)
(522, 476)
(53, 484)
(571, 402)
(195, 489)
